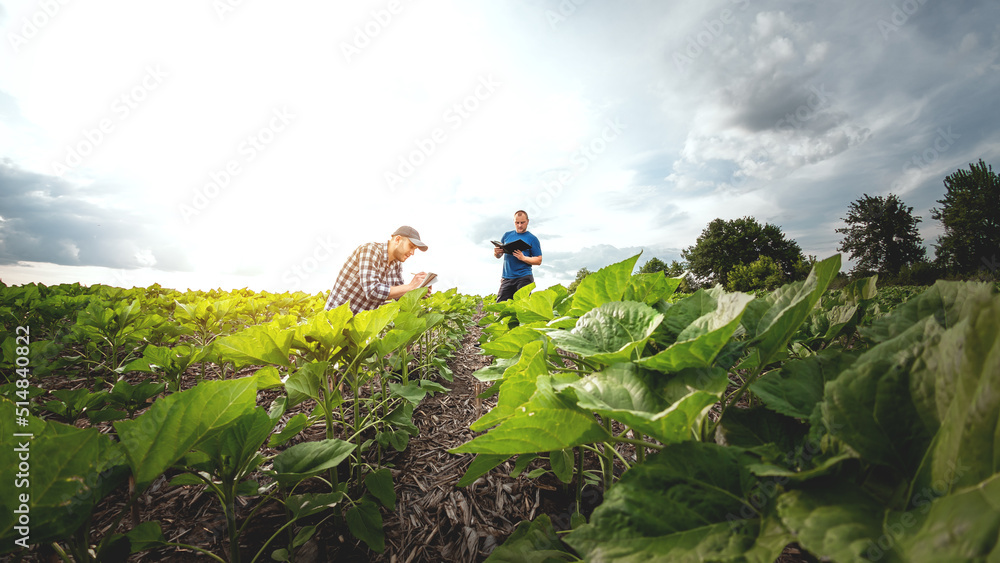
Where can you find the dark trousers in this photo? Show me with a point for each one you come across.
(510, 286)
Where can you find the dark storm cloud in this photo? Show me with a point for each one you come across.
(46, 219)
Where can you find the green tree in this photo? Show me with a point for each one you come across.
(762, 273)
(970, 214)
(676, 269)
(652, 266)
(881, 235)
(723, 245)
(580, 274)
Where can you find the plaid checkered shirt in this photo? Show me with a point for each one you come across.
(365, 278)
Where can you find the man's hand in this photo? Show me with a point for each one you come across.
(497, 252)
(418, 279)
(532, 260)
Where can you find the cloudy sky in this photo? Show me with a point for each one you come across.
(252, 143)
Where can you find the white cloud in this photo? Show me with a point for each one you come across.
(488, 105)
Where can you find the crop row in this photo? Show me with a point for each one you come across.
(745, 424)
(203, 359)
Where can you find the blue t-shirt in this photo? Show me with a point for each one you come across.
(512, 267)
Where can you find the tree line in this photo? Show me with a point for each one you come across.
(880, 237)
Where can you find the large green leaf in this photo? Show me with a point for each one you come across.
(926, 402)
(324, 330)
(379, 484)
(838, 523)
(159, 437)
(685, 503)
(963, 526)
(406, 328)
(69, 470)
(650, 288)
(365, 522)
(536, 307)
(771, 321)
(930, 386)
(308, 382)
(292, 428)
(308, 504)
(632, 395)
(411, 300)
(517, 387)
(797, 387)
(412, 391)
(755, 427)
(945, 301)
(309, 459)
(958, 383)
(494, 371)
(699, 342)
(256, 345)
(546, 423)
(607, 284)
(367, 325)
(510, 344)
(609, 333)
(532, 542)
(680, 315)
(870, 405)
(840, 310)
(235, 448)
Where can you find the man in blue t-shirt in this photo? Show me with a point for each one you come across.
(517, 265)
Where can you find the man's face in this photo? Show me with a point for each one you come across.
(404, 249)
(520, 223)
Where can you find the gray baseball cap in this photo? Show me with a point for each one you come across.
(413, 235)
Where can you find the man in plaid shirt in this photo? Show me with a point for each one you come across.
(373, 273)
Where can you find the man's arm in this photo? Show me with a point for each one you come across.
(397, 291)
(533, 260)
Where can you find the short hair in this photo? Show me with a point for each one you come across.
(521, 212)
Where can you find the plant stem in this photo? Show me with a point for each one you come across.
(195, 548)
(735, 399)
(59, 551)
(607, 460)
(234, 539)
(579, 478)
(638, 443)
